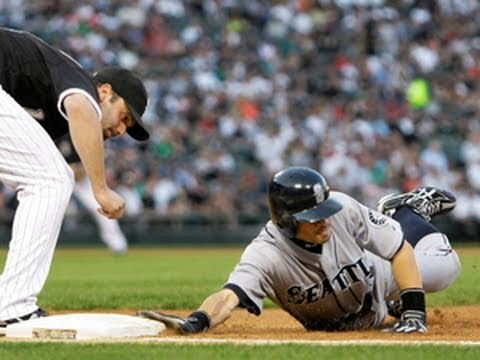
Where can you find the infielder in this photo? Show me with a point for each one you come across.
(334, 264)
(66, 99)
(109, 229)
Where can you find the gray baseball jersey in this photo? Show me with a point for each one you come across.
(335, 289)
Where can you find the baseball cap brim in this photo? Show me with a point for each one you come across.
(137, 131)
(322, 211)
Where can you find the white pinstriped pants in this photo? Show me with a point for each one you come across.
(30, 162)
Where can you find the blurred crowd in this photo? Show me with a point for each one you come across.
(378, 95)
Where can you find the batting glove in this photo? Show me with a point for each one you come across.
(413, 316)
(410, 321)
(196, 322)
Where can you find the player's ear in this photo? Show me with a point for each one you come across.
(104, 91)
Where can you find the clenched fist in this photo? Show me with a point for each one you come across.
(111, 204)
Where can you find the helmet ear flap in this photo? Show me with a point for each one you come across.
(288, 226)
(281, 217)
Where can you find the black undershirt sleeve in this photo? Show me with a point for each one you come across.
(245, 301)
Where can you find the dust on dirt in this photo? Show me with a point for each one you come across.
(455, 323)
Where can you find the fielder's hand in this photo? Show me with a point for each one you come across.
(196, 322)
(111, 204)
(410, 321)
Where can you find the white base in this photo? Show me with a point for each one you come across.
(85, 326)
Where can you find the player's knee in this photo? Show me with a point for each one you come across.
(454, 269)
(447, 272)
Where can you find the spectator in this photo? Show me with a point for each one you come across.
(325, 84)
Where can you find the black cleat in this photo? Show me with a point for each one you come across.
(426, 201)
(33, 315)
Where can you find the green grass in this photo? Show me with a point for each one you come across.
(73, 351)
(145, 278)
(173, 278)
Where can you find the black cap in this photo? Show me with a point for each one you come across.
(130, 87)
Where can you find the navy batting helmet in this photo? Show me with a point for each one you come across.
(299, 194)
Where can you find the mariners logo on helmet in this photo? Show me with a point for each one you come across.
(319, 193)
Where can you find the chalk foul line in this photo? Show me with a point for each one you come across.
(207, 341)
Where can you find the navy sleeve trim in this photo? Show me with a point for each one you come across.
(245, 301)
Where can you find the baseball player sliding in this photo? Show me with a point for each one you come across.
(65, 99)
(334, 264)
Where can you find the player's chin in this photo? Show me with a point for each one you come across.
(317, 239)
(323, 237)
(322, 240)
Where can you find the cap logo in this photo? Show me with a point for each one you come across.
(318, 193)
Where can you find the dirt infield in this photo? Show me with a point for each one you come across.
(454, 324)
(459, 323)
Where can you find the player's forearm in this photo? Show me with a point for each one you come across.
(405, 269)
(86, 134)
(412, 297)
(219, 306)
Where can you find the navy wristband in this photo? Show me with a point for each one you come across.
(196, 322)
(413, 299)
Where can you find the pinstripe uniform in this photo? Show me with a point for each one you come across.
(343, 284)
(35, 76)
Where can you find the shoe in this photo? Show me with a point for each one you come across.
(427, 201)
(33, 315)
(119, 251)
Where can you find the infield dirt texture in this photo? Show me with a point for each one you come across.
(453, 324)
(457, 323)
